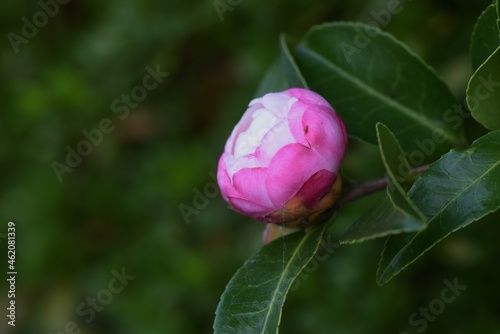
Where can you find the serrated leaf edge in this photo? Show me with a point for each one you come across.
(456, 139)
(384, 281)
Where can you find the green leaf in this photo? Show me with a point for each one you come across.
(485, 37)
(498, 14)
(384, 219)
(483, 96)
(292, 72)
(282, 74)
(455, 191)
(395, 213)
(254, 297)
(368, 77)
(274, 80)
(398, 170)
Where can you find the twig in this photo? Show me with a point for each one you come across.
(363, 189)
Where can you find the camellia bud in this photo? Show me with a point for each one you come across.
(281, 162)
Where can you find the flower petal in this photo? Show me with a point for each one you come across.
(289, 169)
(326, 134)
(249, 183)
(272, 142)
(307, 96)
(243, 125)
(295, 124)
(315, 188)
(248, 140)
(223, 179)
(278, 103)
(249, 208)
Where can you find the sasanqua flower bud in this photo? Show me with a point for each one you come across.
(281, 162)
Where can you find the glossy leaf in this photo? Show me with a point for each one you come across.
(395, 213)
(274, 80)
(483, 93)
(398, 170)
(485, 37)
(382, 220)
(282, 74)
(292, 73)
(368, 77)
(457, 190)
(254, 297)
(498, 14)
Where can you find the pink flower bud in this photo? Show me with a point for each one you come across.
(281, 162)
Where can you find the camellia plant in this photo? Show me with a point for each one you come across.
(281, 164)
(296, 128)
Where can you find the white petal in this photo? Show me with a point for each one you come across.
(278, 103)
(248, 141)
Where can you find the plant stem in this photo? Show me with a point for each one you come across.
(363, 189)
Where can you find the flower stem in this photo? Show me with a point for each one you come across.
(363, 189)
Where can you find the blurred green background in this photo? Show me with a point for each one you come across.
(121, 207)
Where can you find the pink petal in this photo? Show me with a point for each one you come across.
(289, 169)
(277, 103)
(223, 179)
(295, 117)
(272, 142)
(249, 208)
(249, 183)
(242, 125)
(326, 134)
(307, 96)
(315, 188)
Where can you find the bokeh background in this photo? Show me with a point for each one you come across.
(121, 207)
